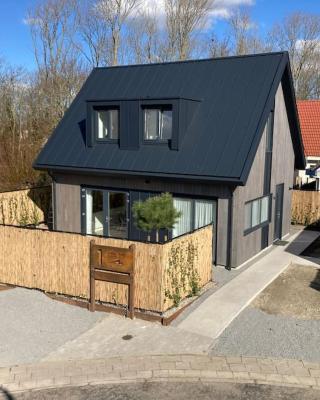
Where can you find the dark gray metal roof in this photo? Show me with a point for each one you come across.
(236, 93)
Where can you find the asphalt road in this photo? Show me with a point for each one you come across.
(170, 391)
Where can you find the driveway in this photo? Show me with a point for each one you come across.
(282, 322)
(33, 325)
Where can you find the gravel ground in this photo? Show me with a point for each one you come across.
(32, 325)
(255, 333)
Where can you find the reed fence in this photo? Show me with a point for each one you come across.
(58, 263)
(25, 207)
(305, 208)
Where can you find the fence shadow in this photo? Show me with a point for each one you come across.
(5, 394)
(315, 284)
(41, 196)
(306, 246)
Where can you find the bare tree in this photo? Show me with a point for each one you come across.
(52, 25)
(299, 34)
(18, 138)
(115, 14)
(219, 47)
(183, 19)
(93, 36)
(145, 41)
(243, 34)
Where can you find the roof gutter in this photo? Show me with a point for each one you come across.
(204, 178)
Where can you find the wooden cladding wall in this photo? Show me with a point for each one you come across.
(305, 207)
(24, 207)
(59, 263)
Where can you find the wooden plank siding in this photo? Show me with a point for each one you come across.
(246, 246)
(58, 262)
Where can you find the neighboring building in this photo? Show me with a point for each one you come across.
(309, 115)
(221, 135)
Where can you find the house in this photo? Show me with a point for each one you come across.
(222, 135)
(309, 115)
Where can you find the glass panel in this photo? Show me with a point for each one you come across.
(94, 212)
(108, 124)
(203, 213)
(247, 221)
(114, 124)
(166, 125)
(118, 215)
(151, 124)
(255, 213)
(184, 223)
(265, 209)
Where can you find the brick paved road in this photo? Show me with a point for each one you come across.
(142, 369)
(174, 391)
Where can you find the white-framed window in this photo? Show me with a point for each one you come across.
(157, 123)
(108, 124)
(256, 212)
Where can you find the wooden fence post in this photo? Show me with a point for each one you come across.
(131, 287)
(92, 304)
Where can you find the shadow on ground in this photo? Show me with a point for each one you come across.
(5, 395)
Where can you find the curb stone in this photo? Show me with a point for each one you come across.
(160, 368)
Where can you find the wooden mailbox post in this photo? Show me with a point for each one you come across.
(112, 264)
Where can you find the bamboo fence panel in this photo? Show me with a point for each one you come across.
(305, 208)
(23, 207)
(58, 262)
(187, 255)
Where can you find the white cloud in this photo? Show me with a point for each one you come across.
(222, 9)
(312, 44)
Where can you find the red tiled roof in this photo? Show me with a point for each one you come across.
(309, 115)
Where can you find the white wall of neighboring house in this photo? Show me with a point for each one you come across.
(301, 176)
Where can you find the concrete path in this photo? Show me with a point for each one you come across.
(160, 368)
(214, 314)
(119, 336)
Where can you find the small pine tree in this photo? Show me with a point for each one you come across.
(155, 213)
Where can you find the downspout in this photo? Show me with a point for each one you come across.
(53, 201)
(230, 230)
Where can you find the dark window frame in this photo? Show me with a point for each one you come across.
(161, 109)
(262, 224)
(93, 107)
(173, 105)
(96, 110)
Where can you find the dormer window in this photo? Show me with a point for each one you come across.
(107, 125)
(157, 123)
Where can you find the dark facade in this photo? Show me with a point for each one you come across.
(182, 128)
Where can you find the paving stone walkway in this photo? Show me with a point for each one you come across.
(161, 368)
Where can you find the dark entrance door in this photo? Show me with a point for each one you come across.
(278, 212)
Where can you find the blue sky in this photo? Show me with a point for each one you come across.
(16, 46)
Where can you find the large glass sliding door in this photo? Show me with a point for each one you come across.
(94, 212)
(117, 215)
(106, 213)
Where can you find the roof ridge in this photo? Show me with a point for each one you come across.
(193, 60)
(309, 101)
